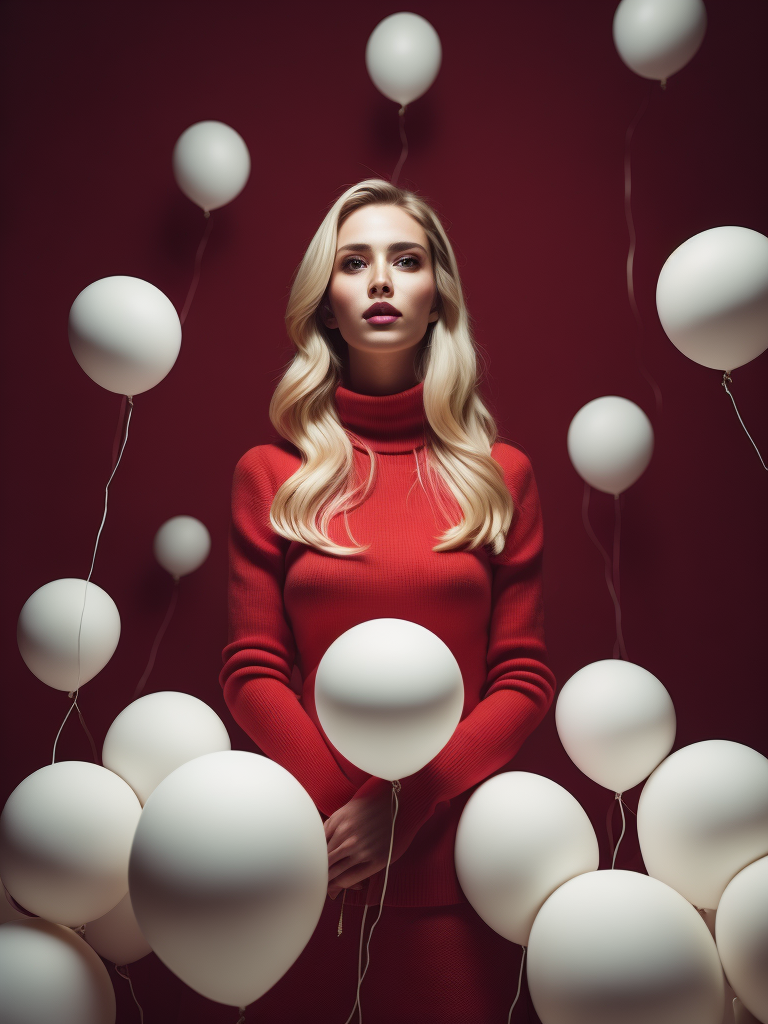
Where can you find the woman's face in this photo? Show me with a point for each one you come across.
(382, 257)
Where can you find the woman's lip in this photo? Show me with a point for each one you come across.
(382, 318)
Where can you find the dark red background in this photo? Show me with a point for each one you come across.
(519, 145)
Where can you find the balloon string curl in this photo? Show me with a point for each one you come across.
(724, 382)
(623, 829)
(611, 569)
(196, 272)
(158, 638)
(632, 247)
(127, 977)
(240, 1009)
(519, 986)
(395, 805)
(404, 151)
(73, 693)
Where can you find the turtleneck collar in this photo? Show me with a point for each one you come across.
(387, 423)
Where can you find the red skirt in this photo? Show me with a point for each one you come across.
(428, 965)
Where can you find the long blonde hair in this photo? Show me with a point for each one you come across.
(461, 430)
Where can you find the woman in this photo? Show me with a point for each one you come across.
(388, 498)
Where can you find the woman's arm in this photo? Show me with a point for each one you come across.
(518, 691)
(258, 660)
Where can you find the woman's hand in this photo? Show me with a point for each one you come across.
(358, 836)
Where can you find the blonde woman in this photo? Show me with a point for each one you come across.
(388, 496)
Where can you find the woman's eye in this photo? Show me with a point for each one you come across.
(414, 261)
(347, 264)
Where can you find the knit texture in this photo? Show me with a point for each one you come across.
(289, 602)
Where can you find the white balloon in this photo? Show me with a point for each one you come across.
(48, 628)
(616, 722)
(389, 694)
(703, 816)
(211, 164)
(125, 333)
(403, 56)
(741, 928)
(48, 975)
(116, 936)
(65, 839)
(655, 38)
(519, 837)
(610, 443)
(228, 873)
(157, 734)
(618, 947)
(182, 545)
(712, 297)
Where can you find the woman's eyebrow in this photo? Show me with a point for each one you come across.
(394, 247)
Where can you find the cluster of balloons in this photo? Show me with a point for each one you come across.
(214, 859)
(69, 629)
(615, 947)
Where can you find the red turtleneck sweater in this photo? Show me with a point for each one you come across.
(289, 602)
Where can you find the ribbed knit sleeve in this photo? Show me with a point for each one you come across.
(519, 686)
(259, 657)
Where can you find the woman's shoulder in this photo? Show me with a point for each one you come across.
(513, 460)
(267, 463)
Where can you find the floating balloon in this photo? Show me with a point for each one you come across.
(618, 947)
(211, 164)
(116, 936)
(712, 297)
(157, 734)
(58, 619)
(389, 694)
(741, 928)
(403, 56)
(520, 836)
(182, 545)
(655, 38)
(65, 839)
(124, 333)
(616, 722)
(610, 443)
(229, 873)
(703, 816)
(48, 974)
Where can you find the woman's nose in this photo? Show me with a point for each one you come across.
(381, 280)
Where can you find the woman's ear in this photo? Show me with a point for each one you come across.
(326, 315)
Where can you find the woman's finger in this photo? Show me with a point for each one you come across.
(342, 850)
(350, 877)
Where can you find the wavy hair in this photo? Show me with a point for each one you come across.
(460, 432)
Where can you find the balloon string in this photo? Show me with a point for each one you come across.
(632, 247)
(119, 431)
(198, 262)
(241, 1018)
(86, 730)
(519, 986)
(404, 151)
(104, 518)
(395, 805)
(127, 977)
(158, 638)
(341, 913)
(608, 568)
(724, 382)
(74, 691)
(623, 828)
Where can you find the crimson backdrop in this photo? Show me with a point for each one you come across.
(519, 144)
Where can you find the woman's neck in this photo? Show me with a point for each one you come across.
(380, 373)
